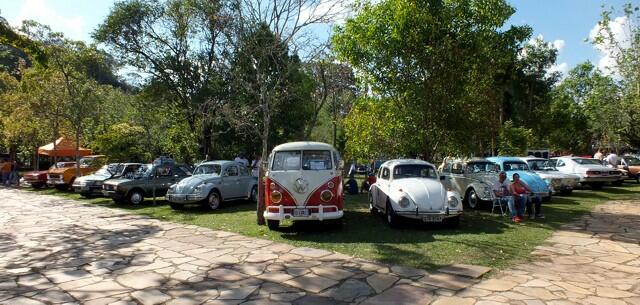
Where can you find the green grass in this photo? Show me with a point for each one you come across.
(481, 238)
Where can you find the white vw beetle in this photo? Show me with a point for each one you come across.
(412, 189)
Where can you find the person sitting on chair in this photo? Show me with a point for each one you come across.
(519, 190)
(503, 194)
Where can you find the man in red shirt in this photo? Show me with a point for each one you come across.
(519, 191)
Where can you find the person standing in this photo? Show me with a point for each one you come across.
(13, 175)
(255, 165)
(598, 155)
(612, 160)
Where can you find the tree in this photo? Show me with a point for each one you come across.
(180, 43)
(123, 142)
(436, 60)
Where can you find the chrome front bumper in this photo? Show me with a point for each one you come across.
(185, 198)
(281, 214)
(430, 216)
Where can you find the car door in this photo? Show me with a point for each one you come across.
(230, 182)
(165, 176)
(458, 180)
(245, 181)
(382, 189)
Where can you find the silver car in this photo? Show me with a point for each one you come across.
(212, 183)
(559, 183)
(473, 179)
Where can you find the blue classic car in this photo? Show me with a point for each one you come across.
(212, 183)
(512, 165)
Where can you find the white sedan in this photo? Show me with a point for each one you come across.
(412, 189)
(590, 171)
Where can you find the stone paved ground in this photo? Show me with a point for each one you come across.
(57, 251)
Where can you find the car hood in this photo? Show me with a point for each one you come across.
(427, 194)
(93, 178)
(61, 170)
(187, 185)
(534, 181)
(118, 181)
(36, 173)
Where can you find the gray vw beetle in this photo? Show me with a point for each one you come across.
(212, 183)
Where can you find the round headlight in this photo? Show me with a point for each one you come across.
(326, 195)
(453, 202)
(276, 197)
(404, 202)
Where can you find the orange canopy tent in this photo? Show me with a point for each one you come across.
(64, 148)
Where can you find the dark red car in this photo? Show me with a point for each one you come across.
(38, 179)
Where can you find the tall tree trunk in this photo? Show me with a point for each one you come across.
(266, 125)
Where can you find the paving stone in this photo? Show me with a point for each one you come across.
(332, 273)
(225, 274)
(238, 293)
(613, 293)
(349, 290)
(380, 282)
(317, 300)
(496, 285)
(447, 281)
(472, 271)
(311, 282)
(402, 295)
(276, 277)
(310, 252)
(141, 280)
(454, 301)
(408, 271)
(150, 297)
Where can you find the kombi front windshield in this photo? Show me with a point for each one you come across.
(414, 171)
(208, 169)
(305, 160)
(515, 166)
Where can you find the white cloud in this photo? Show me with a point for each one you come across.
(330, 11)
(558, 44)
(620, 31)
(562, 68)
(43, 12)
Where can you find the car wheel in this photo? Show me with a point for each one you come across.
(392, 218)
(452, 222)
(214, 200)
(253, 197)
(273, 224)
(472, 199)
(566, 192)
(136, 197)
(176, 206)
(372, 208)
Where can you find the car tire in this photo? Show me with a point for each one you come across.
(452, 222)
(61, 187)
(273, 224)
(372, 208)
(390, 216)
(213, 200)
(471, 199)
(566, 192)
(176, 206)
(136, 197)
(37, 185)
(253, 196)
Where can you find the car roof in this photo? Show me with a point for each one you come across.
(504, 159)
(529, 158)
(304, 145)
(219, 162)
(95, 156)
(395, 162)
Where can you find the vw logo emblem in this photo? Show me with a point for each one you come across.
(300, 185)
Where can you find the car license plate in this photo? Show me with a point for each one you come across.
(300, 212)
(432, 218)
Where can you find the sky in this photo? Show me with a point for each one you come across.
(564, 23)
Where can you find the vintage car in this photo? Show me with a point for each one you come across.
(473, 179)
(63, 178)
(92, 184)
(412, 189)
(151, 180)
(558, 182)
(512, 165)
(630, 164)
(38, 179)
(303, 182)
(212, 183)
(590, 171)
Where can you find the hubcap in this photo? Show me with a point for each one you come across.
(214, 201)
(473, 199)
(136, 198)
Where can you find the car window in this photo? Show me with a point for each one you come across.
(447, 168)
(208, 169)
(515, 166)
(560, 163)
(414, 171)
(164, 171)
(286, 160)
(456, 168)
(587, 161)
(316, 160)
(336, 159)
(244, 171)
(385, 174)
(232, 171)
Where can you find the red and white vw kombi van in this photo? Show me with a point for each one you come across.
(303, 182)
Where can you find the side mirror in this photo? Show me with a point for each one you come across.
(442, 177)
